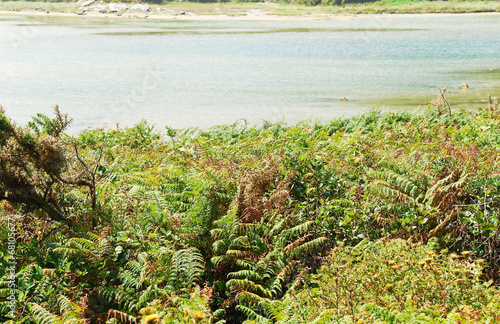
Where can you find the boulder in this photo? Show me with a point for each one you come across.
(87, 3)
(140, 7)
(117, 7)
(99, 8)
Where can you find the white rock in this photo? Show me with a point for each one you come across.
(117, 7)
(87, 3)
(99, 8)
(140, 7)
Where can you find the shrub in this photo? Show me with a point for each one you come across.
(394, 281)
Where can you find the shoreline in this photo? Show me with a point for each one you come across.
(186, 16)
(249, 16)
(239, 11)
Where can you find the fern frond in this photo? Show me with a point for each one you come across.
(248, 285)
(218, 259)
(297, 243)
(102, 244)
(127, 302)
(187, 265)
(279, 281)
(297, 230)
(219, 313)
(277, 228)
(253, 315)
(109, 294)
(244, 264)
(271, 311)
(122, 317)
(146, 296)
(66, 305)
(130, 280)
(247, 255)
(308, 246)
(83, 244)
(388, 189)
(245, 274)
(240, 242)
(248, 298)
(43, 316)
(220, 246)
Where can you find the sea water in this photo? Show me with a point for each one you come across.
(104, 71)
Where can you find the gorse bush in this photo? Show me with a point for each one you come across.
(34, 163)
(237, 223)
(394, 282)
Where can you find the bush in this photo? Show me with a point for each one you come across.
(393, 281)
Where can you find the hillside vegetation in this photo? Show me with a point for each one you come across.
(380, 218)
(278, 8)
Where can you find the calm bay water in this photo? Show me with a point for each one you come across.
(203, 73)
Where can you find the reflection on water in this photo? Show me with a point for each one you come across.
(202, 73)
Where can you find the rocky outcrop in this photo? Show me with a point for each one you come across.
(140, 7)
(87, 3)
(119, 8)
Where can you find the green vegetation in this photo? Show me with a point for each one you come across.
(392, 282)
(283, 8)
(49, 6)
(382, 217)
(308, 7)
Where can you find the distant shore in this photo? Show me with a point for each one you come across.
(239, 11)
(191, 16)
(185, 16)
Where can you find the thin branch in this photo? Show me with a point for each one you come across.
(444, 99)
(79, 159)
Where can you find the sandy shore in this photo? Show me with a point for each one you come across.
(249, 15)
(246, 15)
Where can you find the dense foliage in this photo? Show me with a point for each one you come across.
(275, 223)
(301, 2)
(393, 282)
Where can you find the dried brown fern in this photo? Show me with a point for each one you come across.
(122, 318)
(253, 188)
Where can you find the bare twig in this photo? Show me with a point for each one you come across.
(441, 104)
(446, 104)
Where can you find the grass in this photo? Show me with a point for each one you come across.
(47, 6)
(425, 7)
(282, 9)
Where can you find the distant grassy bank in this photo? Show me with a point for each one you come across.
(301, 7)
